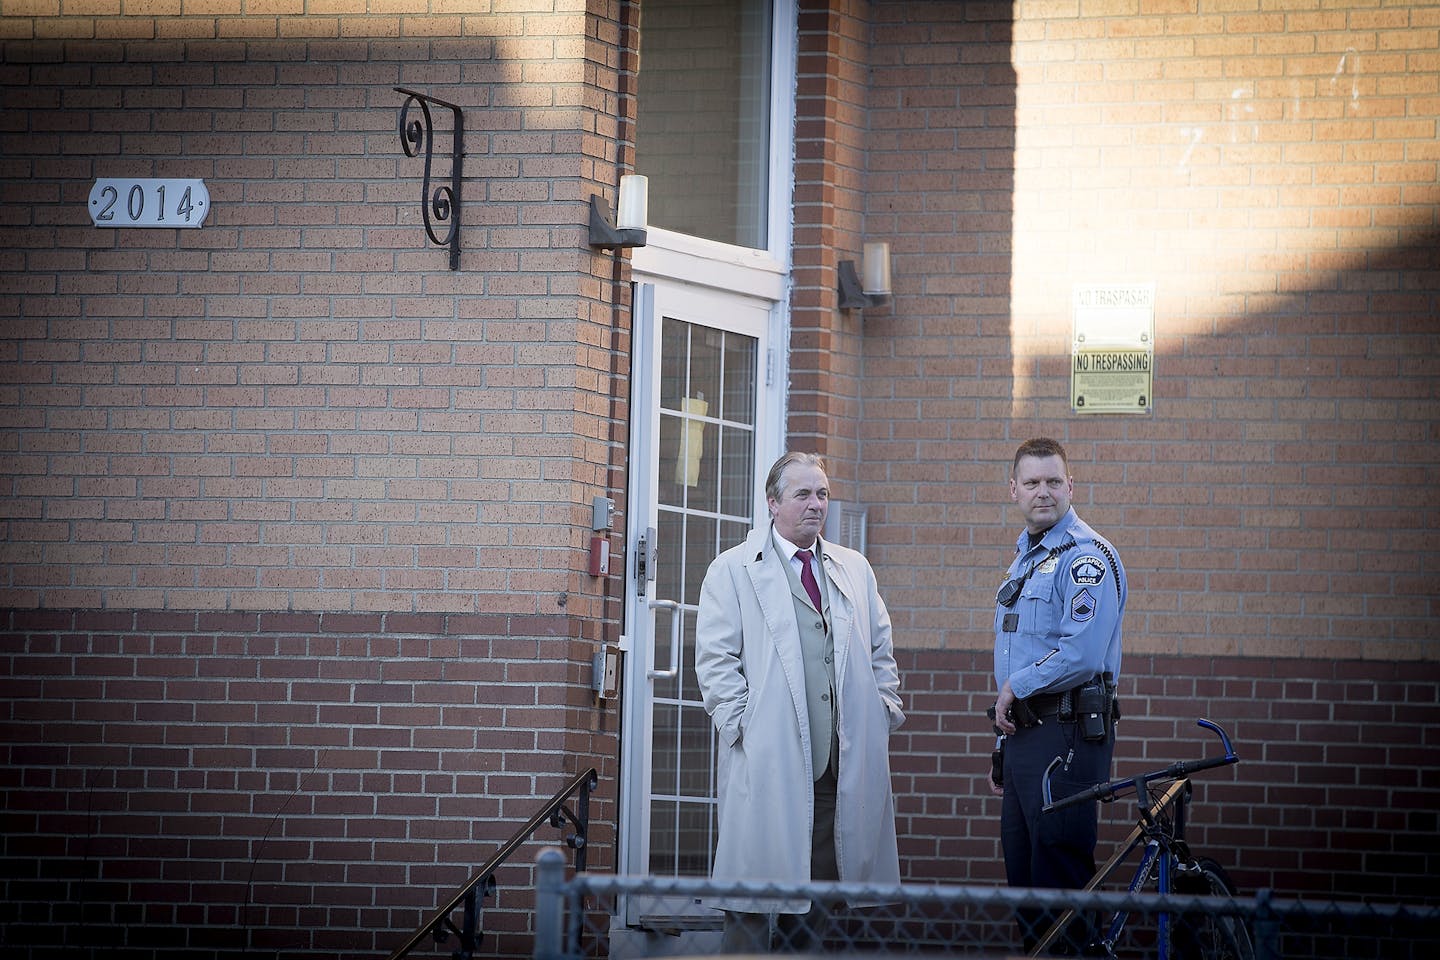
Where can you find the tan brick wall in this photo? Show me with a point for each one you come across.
(1275, 172)
(298, 406)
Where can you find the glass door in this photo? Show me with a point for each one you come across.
(698, 435)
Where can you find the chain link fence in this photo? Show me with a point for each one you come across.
(618, 917)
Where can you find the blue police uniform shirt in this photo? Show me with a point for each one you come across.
(1067, 618)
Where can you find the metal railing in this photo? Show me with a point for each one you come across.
(440, 926)
(574, 919)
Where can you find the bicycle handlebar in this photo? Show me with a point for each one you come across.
(1105, 792)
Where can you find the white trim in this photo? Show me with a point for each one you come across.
(678, 256)
(784, 86)
(633, 851)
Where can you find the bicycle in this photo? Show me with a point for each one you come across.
(1167, 863)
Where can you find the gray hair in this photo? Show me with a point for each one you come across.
(773, 485)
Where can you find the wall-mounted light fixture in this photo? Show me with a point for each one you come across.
(628, 230)
(875, 289)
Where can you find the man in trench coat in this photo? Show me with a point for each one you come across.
(803, 690)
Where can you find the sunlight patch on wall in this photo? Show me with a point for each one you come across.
(1231, 173)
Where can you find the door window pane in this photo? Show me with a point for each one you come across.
(674, 362)
(702, 109)
(663, 838)
(666, 750)
(739, 390)
(699, 551)
(695, 775)
(732, 533)
(669, 558)
(707, 351)
(707, 376)
(695, 842)
(737, 478)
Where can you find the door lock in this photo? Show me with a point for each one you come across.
(645, 555)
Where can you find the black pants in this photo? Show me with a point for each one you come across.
(793, 932)
(1054, 849)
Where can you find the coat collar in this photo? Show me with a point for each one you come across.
(761, 549)
(788, 550)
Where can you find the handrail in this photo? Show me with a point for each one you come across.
(556, 813)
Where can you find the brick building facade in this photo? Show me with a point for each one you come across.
(297, 622)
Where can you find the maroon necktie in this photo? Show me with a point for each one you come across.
(807, 577)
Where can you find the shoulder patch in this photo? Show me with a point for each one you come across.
(1082, 606)
(1087, 571)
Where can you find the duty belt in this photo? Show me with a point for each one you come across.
(1034, 709)
(1049, 706)
(1045, 705)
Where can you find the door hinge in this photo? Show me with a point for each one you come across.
(769, 366)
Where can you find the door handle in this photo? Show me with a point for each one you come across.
(675, 619)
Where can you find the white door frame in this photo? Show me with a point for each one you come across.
(746, 314)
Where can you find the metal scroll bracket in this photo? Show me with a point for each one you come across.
(442, 205)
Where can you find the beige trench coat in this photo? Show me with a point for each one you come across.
(748, 664)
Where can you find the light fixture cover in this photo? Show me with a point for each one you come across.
(876, 282)
(634, 202)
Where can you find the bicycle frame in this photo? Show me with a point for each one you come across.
(1162, 849)
(1122, 853)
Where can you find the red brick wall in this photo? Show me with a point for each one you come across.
(309, 783)
(287, 783)
(826, 342)
(1334, 795)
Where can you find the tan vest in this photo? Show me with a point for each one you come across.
(817, 647)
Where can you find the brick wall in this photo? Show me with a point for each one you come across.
(1275, 172)
(309, 458)
(306, 784)
(290, 784)
(294, 619)
(1334, 795)
(825, 342)
(1275, 175)
(298, 406)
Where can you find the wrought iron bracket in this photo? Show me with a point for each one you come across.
(442, 205)
(575, 841)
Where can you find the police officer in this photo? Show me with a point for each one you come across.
(1057, 656)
